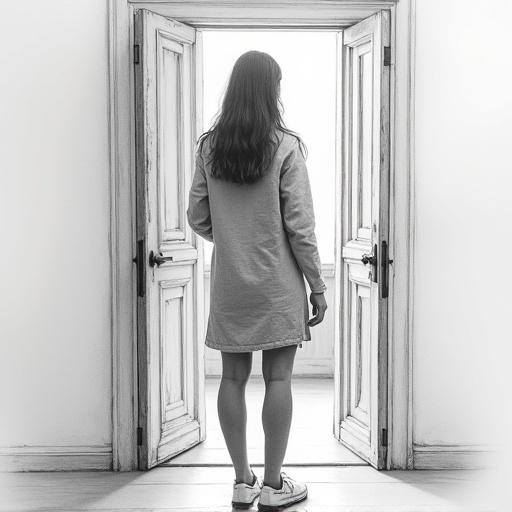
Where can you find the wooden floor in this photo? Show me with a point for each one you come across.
(195, 489)
(311, 436)
(201, 479)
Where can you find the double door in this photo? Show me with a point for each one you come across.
(168, 90)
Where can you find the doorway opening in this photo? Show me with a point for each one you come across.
(148, 426)
(169, 97)
(308, 92)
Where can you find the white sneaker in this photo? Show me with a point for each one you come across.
(272, 500)
(244, 494)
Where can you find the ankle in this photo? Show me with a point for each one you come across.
(275, 484)
(248, 478)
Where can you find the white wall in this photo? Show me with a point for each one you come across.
(55, 377)
(462, 301)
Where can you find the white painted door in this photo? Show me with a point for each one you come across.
(169, 256)
(362, 263)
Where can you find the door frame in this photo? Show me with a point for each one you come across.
(246, 14)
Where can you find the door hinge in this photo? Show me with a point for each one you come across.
(387, 55)
(139, 261)
(136, 54)
(139, 436)
(384, 437)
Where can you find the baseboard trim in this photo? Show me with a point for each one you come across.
(452, 456)
(55, 458)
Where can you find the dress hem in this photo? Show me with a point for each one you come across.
(258, 346)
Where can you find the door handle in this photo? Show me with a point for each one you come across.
(158, 259)
(372, 260)
(368, 258)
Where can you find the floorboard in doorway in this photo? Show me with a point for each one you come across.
(311, 435)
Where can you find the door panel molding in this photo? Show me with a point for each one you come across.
(215, 14)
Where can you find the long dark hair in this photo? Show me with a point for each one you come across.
(244, 135)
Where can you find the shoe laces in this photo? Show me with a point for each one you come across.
(288, 481)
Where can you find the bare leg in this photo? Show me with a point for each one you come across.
(231, 407)
(277, 409)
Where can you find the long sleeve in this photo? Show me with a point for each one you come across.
(198, 211)
(298, 217)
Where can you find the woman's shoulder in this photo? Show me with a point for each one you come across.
(288, 142)
(203, 146)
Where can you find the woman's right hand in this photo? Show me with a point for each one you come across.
(319, 307)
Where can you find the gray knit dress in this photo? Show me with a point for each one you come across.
(264, 245)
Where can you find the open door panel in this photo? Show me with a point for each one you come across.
(169, 255)
(362, 265)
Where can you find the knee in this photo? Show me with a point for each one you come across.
(272, 376)
(237, 375)
(277, 364)
(236, 367)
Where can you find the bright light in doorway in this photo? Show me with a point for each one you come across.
(308, 64)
